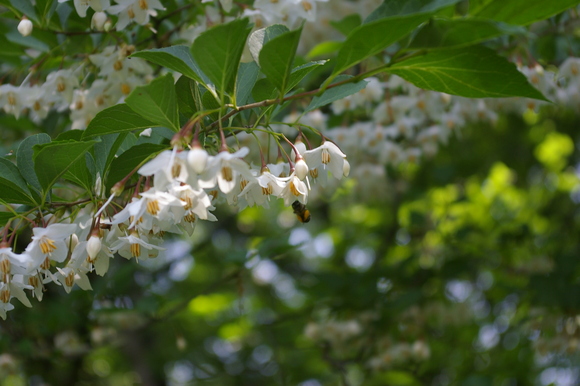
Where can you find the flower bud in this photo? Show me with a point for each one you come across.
(98, 21)
(197, 159)
(108, 25)
(345, 168)
(74, 240)
(301, 168)
(93, 246)
(25, 26)
(300, 146)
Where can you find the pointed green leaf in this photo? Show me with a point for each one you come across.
(390, 8)
(473, 72)
(336, 93)
(441, 34)
(392, 21)
(185, 89)
(13, 188)
(52, 160)
(106, 149)
(176, 58)
(247, 77)
(218, 51)
(24, 158)
(521, 12)
(262, 36)
(5, 216)
(82, 172)
(277, 56)
(156, 102)
(300, 72)
(324, 49)
(126, 162)
(116, 119)
(263, 89)
(347, 24)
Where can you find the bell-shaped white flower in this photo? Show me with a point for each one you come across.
(225, 169)
(50, 243)
(294, 190)
(326, 157)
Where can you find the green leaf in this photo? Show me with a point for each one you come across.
(522, 12)
(82, 172)
(390, 8)
(300, 72)
(218, 52)
(157, 102)
(346, 25)
(336, 93)
(126, 162)
(441, 34)
(185, 89)
(389, 23)
(4, 217)
(24, 158)
(247, 76)
(52, 160)
(324, 48)
(473, 72)
(106, 149)
(176, 58)
(370, 39)
(262, 36)
(116, 119)
(26, 7)
(13, 188)
(210, 103)
(277, 56)
(263, 89)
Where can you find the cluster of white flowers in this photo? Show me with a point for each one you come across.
(127, 11)
(117, 77)
(178, 197)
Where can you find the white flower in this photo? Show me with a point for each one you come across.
(81, 6)
(50, 243)
(301, 168)
(94, 246)
(295, 190)
(258, 191)
(25, 27)
(12, 99)
(226, 168)
(135, 246)
(69, 277)
(138, 11)
(327, 157)
(10, 263)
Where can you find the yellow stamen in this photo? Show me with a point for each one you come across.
(45, 264)
(46, 245)
(293, 189)
(313, 173)
(135, 250)
(267, 190)
(69, 280)
(118, 65)
(227, 173)
(143, 5)
(5, 295)
(325, 156)
(5, 266)
(153, 207)
(243, 184)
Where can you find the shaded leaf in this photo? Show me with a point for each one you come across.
(13, 188)
(126, 162)
(116, 119)
(336, 93)
(473, 72)
(156, 102)
(277, 56)
(25, 158)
